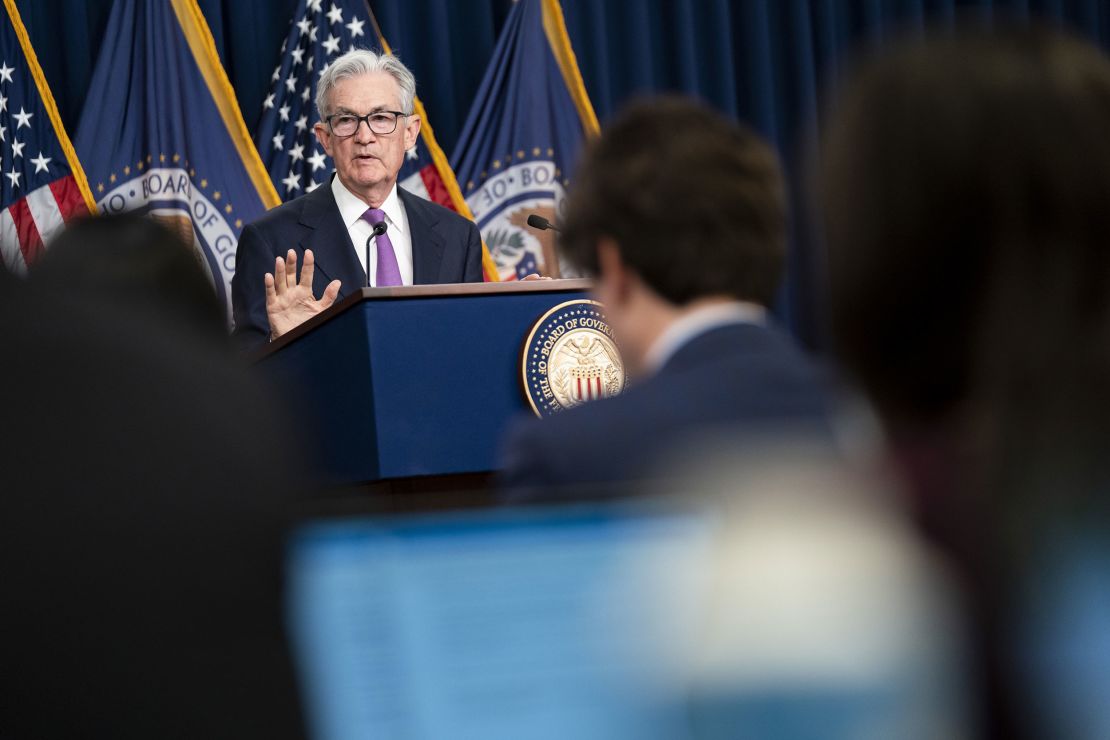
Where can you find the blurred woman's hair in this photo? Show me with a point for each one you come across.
(965, 187)
(966, 193)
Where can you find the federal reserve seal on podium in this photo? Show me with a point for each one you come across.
(570, 358)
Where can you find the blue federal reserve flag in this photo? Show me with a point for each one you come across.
(517, 150)
(161, 132)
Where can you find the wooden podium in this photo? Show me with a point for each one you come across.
(412, 387)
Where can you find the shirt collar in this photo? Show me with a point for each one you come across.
(698, 322)
(351, 207)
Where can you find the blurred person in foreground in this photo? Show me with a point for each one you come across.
(143, 517)
(965, 184)
(681, 216)
(133, 263)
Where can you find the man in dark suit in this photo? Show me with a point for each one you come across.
(366, 125)
(680, 214)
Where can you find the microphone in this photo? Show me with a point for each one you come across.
(379, 229)
(541, 223)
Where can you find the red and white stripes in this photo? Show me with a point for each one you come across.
(31, 223)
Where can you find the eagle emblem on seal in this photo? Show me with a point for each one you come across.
(570, 358)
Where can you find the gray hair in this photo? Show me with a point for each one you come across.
(361, 62)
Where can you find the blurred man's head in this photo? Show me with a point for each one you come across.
(675, 206)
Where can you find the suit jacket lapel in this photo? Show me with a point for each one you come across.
(330, 242)
(427, 243)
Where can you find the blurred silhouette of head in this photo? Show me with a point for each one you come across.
(142, 529)
(694, 201)
(965, 183)
(671, 205)
(135, 263)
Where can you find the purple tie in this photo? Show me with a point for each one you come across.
(388, 271)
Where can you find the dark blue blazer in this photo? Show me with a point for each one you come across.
(446, 248)
(734, 379)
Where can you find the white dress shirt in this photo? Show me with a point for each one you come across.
(351, 209)
(694, 324)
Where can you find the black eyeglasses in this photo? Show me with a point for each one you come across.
(381, 122)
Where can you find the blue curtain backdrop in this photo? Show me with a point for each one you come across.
(766, 62)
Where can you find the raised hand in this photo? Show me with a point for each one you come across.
(289, 301)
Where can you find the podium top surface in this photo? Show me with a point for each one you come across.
(423, 291)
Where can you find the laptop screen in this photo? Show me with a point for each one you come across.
(529, 623)
(792, 612)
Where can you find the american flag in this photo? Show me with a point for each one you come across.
(42, 185)
(296, 162)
